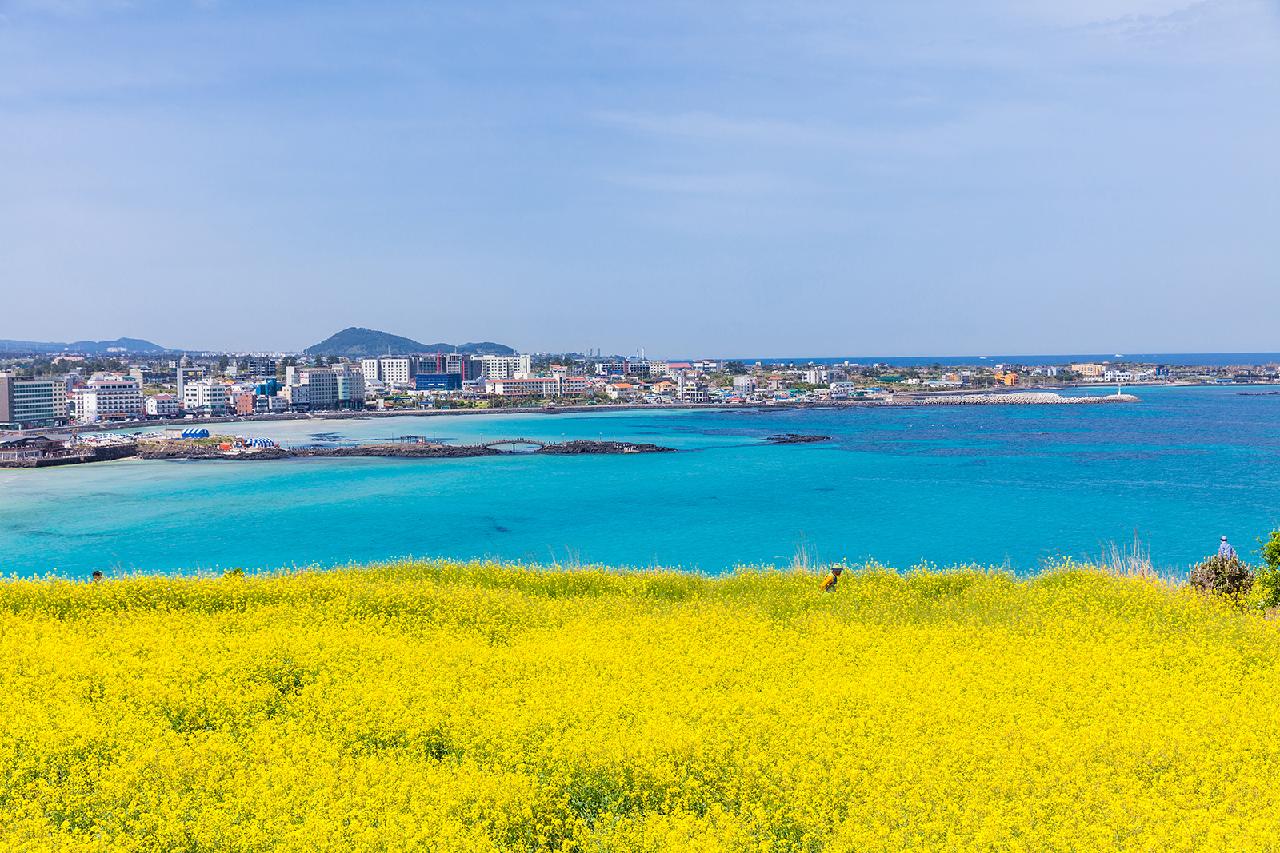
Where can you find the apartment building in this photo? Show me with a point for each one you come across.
(30, 403)
(206, 397)
(397, 371)
(503, 366)
(322, 387)
(350, 386)
(258, 366)
(626, 367)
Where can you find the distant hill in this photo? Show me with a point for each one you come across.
(119, 345)
(367, 343)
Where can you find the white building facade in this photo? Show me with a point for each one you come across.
(106, 398)
(540, 386)
(162, 406)
(503, 366)
(206, 397)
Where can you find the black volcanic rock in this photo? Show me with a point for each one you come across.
(582, 447)
(796, 438)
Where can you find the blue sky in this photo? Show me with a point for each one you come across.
(732, 178)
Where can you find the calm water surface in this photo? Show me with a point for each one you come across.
(993, 484)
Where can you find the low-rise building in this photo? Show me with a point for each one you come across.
(295, 397)
(815, 375)
(437, 382)
(623, 390)
(245, 403)
(541, 387)
(206, 397)
(843, 390)
(692, 391)
(162, 406)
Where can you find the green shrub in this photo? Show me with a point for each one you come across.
(1271, 550)
(1231, 577)
(1265, 594)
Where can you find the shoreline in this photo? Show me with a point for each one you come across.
(1029, 397)
(177, 450)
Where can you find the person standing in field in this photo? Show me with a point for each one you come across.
(1225, 551)
(833, 578)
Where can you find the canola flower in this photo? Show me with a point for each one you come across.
(438, 706)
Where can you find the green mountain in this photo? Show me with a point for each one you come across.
(119, 346)
(356, 342)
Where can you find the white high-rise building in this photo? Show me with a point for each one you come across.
(369, 367)
(504, 366)
(105, 398)
(322, 387)
(350, 386)
(397, 371)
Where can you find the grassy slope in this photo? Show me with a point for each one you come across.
(474, 707)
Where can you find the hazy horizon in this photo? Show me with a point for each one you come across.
(923, 357)
(729, 178)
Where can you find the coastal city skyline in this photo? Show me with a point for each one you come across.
(131, 381)
(131, 345)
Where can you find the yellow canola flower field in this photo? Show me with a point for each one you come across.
(438, 706)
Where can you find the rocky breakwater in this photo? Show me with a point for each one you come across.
(193, 451)
(196, 451)
(1029, 398)
(399, 451)
(573, 448)
(796, 438)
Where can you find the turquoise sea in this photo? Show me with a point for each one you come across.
(998, 485)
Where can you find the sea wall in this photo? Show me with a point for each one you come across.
(1032, 398)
